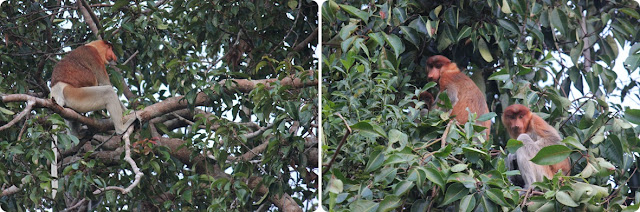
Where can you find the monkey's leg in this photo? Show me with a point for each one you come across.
(94, 98)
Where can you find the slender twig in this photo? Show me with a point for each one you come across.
(344, 139)
(30, 103)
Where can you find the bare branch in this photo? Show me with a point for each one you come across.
(344, 139)
(31, 101)
(89, 19)
(306, 41)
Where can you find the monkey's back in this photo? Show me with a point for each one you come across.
(470, 96)
(83, 62)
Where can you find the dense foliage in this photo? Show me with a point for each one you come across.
(557, 57)
(226, 91)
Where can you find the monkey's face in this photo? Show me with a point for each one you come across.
(516, 123)
(433, 74)
(516, 119)
(109, 55)
(434, 66)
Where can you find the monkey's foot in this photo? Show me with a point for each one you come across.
(127, 121)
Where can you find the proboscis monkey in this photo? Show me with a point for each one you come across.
(462, 91)
(518, 120)
(80, 81)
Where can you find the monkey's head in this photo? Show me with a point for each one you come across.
(434, 66)
(516, 119)
(105, 49)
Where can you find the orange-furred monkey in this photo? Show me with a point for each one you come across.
(519, 120)
(462, 91)
(80, 81)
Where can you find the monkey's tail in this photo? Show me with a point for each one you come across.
(54, 164)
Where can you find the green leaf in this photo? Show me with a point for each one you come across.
(551, 155)
(487, 205)
(505, 7)
(364, 16)
(459, 167)
(630, 12)
(502, 75)
(432, 27)
(6, 111)
(632, 115)
(509, 25)
(402, 187)
(292, 4)
(468, 203)
(411, 35)
(396, 158)
(335, 185)
(451, 17)
(513, 145)
(565, 199)
(375, 161)
(369, 127)
(389, 203)
(484, 50)
(463, 178)
(632, 62)
(559, 21)
(496, 196)
(187, 195)
(474, 150)
(435, 176)
(465, 32)
(486, 116)
(576, 52)
(454, 192)
(364, 205)
(396, 44)
(395, 136)
(162, 26)
(119, 4)
(632, 208)
(574, 143)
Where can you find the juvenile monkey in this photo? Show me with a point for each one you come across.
(535, 133)
(530, 171)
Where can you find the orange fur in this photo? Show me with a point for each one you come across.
(462, 91)
(80, 82)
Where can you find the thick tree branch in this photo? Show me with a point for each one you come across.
(238, 85)
(161, 108)
(306, 41)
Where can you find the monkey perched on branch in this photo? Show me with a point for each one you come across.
(80, 81)
(462, 91)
